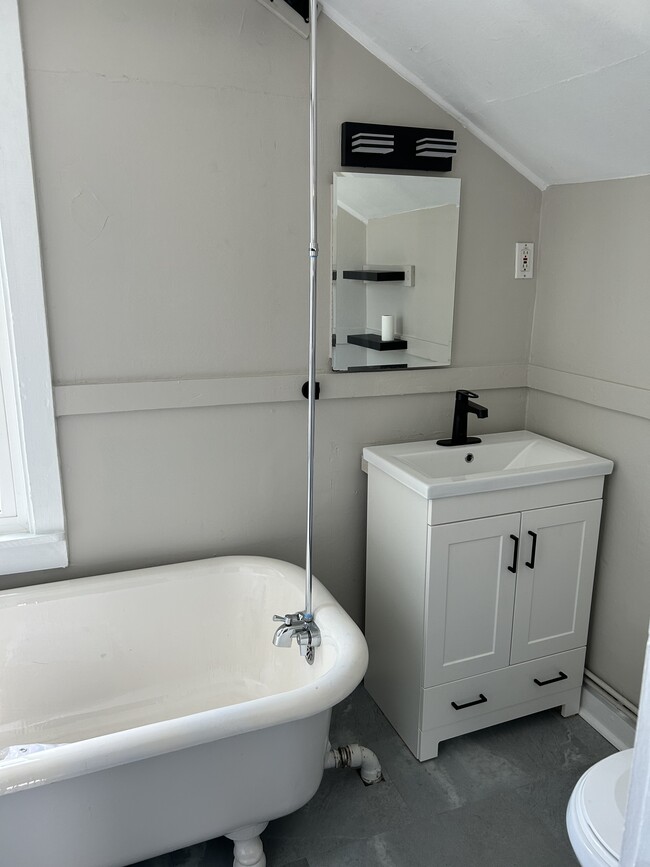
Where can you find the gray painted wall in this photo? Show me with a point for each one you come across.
(349, 252)
(590, 379)
(424, 314)
(170, 151)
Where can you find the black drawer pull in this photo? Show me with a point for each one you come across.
(480, 700)
(562, 676)
(515, 539)
(531, 563)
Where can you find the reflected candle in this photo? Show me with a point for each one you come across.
(387, 327)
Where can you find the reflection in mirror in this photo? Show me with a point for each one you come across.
(394, 240)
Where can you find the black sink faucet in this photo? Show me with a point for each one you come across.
(462, 408)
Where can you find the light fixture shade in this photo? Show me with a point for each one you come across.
(411, 148)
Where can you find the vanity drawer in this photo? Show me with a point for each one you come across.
(505, 687)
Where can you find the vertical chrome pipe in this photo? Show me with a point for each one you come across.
(313, 273)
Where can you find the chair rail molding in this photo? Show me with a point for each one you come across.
(616, 396)
(108, 397)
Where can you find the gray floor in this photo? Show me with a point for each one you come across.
(495, 798)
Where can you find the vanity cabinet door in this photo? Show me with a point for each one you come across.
(470, 597)
(557, 559)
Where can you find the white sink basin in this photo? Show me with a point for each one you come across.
(506, 460)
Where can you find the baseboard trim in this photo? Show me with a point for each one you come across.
(614, 722)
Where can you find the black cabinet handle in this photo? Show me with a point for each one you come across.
(480, 700)
(562, 676)
(515, 539)
(531, 563)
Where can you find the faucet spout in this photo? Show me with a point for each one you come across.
(478, 410)
(284, 636)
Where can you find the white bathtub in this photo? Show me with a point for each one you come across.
(178, 719)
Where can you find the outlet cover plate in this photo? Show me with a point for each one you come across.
(524, 253)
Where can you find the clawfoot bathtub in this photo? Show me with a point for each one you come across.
(175, 719)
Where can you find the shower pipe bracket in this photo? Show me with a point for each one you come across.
(305, 390)
(301, 7)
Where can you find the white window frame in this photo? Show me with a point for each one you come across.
(32, 526)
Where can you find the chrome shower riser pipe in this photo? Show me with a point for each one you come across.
(313, 275)
(301, 625)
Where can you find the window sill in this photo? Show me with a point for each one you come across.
(30, 552)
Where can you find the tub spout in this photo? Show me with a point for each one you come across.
(304, 630)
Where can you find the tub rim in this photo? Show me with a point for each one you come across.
(153, 739)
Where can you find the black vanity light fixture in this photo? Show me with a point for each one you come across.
(380, 146)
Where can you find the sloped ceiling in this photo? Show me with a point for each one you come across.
(560, 88)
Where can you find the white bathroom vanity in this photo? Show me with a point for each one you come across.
(480, 567)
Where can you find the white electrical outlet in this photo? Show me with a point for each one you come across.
(524, 261)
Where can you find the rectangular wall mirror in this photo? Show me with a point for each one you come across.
(394, 240)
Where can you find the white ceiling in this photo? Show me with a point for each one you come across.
(560, 88)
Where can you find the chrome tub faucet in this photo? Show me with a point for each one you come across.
(300, 627)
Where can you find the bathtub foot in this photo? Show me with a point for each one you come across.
(249, 851)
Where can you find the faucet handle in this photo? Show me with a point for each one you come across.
(278, 618)
(289, 619)
(463, 392)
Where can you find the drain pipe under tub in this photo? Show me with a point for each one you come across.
(355, 756)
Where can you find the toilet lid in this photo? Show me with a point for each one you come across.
(604, 799)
